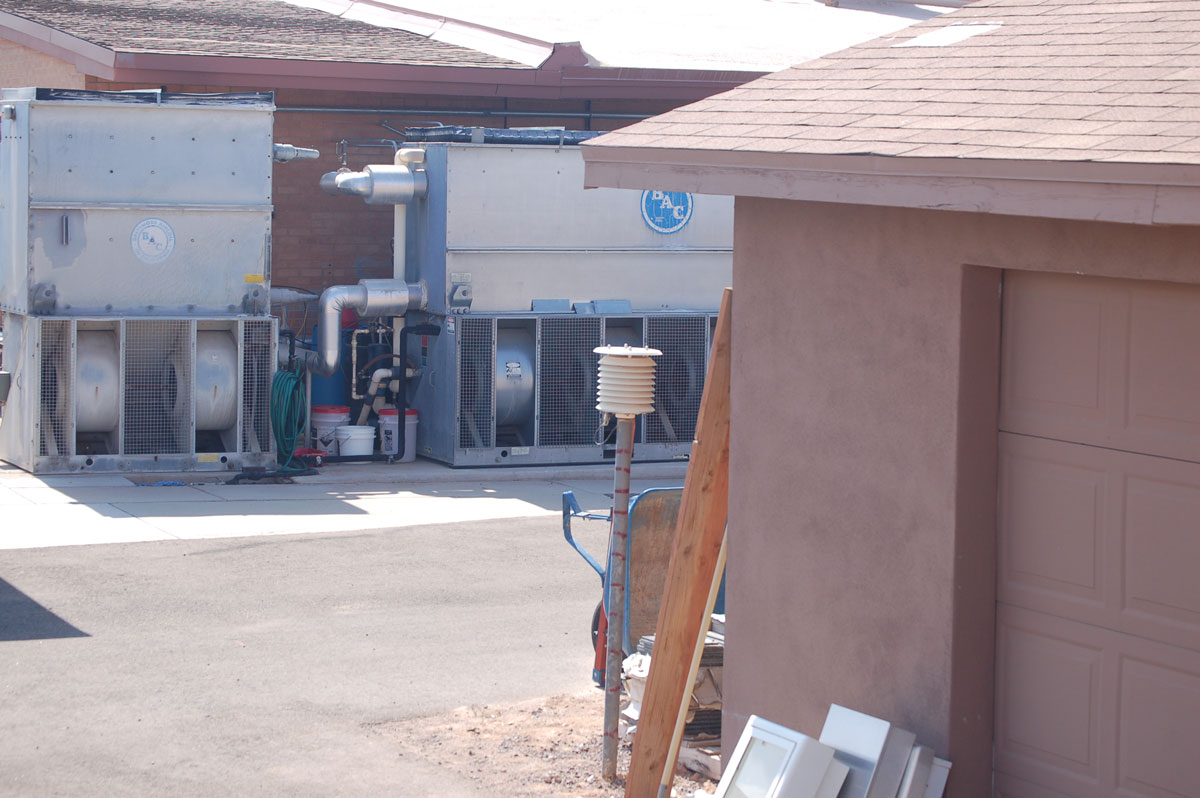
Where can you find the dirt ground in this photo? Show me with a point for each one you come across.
(545, 747)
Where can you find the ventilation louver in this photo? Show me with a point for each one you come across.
(567, 382)
(121, 394)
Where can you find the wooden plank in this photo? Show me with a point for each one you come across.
(698, 534)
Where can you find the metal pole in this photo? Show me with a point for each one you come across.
(614, 653)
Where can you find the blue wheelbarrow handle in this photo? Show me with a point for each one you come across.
(571, 509)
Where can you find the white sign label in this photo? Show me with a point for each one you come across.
(152, 241)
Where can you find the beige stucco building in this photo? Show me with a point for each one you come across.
(965, 441)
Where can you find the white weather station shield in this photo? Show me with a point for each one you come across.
(666, 211)
(152, 240)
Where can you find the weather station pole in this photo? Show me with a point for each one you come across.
(625, 390)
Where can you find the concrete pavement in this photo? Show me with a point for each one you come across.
(103, 508)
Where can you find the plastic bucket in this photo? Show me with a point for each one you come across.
(353, 440)
(325, 419)
(389, 429)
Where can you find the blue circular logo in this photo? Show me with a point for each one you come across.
(666, 211)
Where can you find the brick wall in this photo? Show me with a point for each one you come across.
(22, 66)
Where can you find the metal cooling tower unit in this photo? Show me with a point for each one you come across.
(523, 273)
(134, 279)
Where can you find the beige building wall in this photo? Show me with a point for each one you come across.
(863, 457)
(23, 66)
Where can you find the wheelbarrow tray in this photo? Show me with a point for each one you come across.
(651, 532)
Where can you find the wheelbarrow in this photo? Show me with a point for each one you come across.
(651, 533)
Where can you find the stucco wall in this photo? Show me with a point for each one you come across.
(862, 508)
(23, 66)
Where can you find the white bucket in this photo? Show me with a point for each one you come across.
(325, 419)
(389, 429)
(353, 440)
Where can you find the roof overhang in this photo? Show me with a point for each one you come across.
(1133, 193)
(564, 75)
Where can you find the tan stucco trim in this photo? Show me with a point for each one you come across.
(1090, 191)
(89, 58)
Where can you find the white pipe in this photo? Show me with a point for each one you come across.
(399, 241)
(377, 378)
(399, 261)
(377, 399)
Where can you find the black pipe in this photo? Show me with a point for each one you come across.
(495, 135)
(291, 338)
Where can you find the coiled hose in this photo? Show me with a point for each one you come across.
(287, 416)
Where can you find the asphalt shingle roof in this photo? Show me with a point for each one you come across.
(1059, 80)
(241, 28)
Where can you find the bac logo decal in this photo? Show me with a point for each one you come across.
(666, 211)
(152, 241)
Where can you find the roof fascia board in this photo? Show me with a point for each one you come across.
(596, 83)
(87, 57)
(715, 77)
(153, 62)
(400, 85)
(1110, 195)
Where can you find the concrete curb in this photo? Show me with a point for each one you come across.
(419, 472)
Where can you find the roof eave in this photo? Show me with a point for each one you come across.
(560, 77)
(1132, 193)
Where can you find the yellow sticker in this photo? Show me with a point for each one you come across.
(254, 278)
(208, 458)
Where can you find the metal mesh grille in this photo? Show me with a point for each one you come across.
(257, 371)
(476, 363)
(567, 382)
(158, 386)
(679, 376)
(57, 383)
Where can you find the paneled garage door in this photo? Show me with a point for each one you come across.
(1098, 614)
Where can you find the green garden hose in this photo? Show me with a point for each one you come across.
(287, 416)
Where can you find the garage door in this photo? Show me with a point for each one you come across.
(1098, 613)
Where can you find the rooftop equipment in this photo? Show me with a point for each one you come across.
(135, 278)
(522, 274)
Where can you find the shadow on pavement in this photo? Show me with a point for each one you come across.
(22, 618)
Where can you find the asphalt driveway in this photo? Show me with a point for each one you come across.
(265, 666)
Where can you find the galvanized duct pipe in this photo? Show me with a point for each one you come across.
(382, 184)
(370, 298)
(389, 184)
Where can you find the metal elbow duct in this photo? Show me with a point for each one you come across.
(378, 184)
(370, 298)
